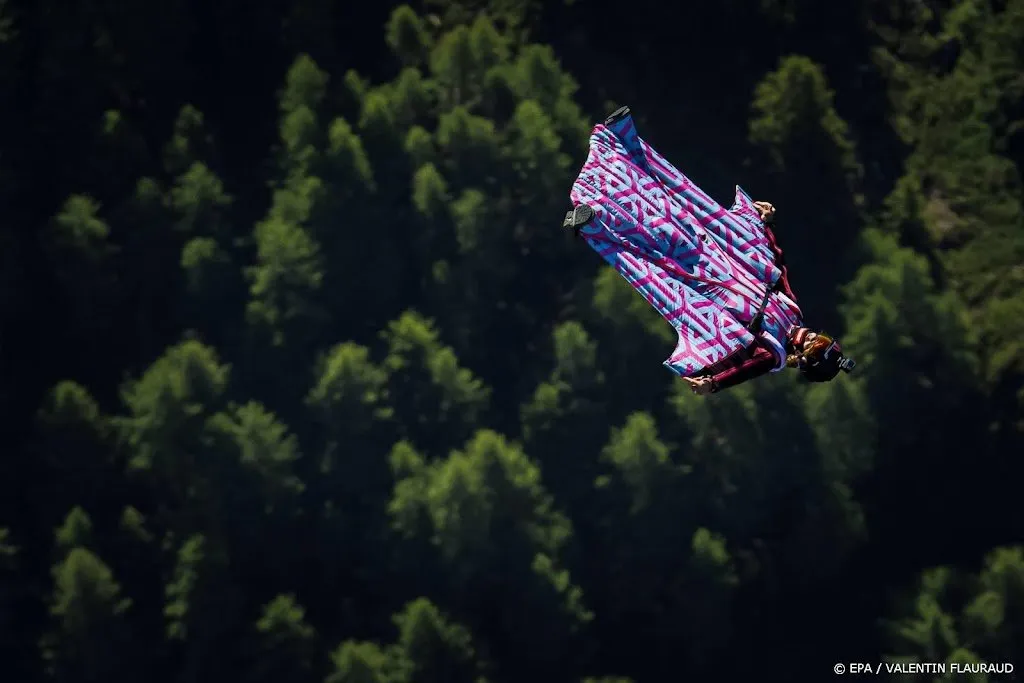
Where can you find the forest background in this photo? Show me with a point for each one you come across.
(301, 380)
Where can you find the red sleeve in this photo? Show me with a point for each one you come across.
(780, 262)
(760, 362)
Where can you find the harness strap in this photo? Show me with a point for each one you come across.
(755, 325)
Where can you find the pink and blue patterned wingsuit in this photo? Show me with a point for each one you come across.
(704, 268)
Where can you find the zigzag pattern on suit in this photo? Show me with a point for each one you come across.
(704, 268)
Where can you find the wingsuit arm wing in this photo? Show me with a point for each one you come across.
(744, 206)
(702, 266)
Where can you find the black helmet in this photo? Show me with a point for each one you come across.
(823, 361)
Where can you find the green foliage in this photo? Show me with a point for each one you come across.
(793, 100)
(201, 604)
(75, 449)
(962, 116)
(287, 278)
(419, 145)
(168, 405)
(179, 590)
(490, 523)
(87, 616)
(198, 197)
(407, 36)
(264, 448)
(435, 398)
(456, 494)
(469, 215)
(639, 459)
(204, 262)
(287, 642)
(429, 191)
(79, 230)
(190, 142)
(363, 662)
(968, 619)
(305, 85)
(347, 157)
(799, 134)
(536, 145)
(351, 390)
(76, 532)
(133, 523)
(70, 404)
(434, 649)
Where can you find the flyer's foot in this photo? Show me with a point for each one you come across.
(578, 217)
(620, 113)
